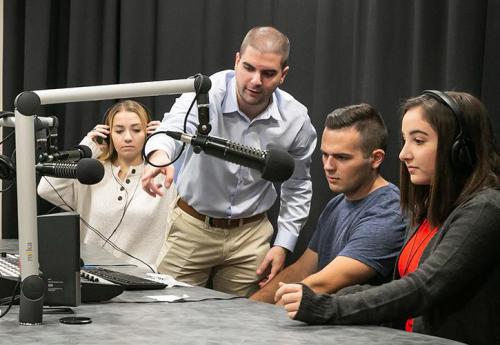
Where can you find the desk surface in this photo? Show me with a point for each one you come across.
(131, 319)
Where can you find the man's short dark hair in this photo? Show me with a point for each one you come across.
(267, 39)
(366, 120)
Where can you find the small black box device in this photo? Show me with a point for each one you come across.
(59, 257)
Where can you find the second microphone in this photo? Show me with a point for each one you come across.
(80, 151)
(275, 165)
(88, 171)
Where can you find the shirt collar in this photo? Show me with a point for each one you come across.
(230, 104)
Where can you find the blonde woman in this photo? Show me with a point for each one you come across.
(116, 213)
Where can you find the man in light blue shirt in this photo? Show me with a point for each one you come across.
(220, 228)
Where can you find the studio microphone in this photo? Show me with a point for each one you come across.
(80, 151)
(87, 170)
(275, 165)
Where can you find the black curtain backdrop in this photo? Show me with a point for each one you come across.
(342, 52)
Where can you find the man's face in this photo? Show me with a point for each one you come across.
(347, 170)
(257, 76)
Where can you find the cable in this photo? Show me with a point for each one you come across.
(7, 136)
(54, 208)
(208, 299)
(7, 188)
(114, 246)
(127, 204)
(164, 165)
(97, 232)
(6, 114)
(13, 152)
(11, 300)
(6, 300)
(164, 132)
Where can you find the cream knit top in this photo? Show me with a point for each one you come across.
(119, 209)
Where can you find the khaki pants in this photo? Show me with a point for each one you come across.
(196, 251)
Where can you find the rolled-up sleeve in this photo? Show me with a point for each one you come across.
(296, 192)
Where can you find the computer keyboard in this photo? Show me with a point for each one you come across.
(97, 284)
(128, 281)
(92, 288)
(91, 291)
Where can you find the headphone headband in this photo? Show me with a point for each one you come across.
(443, 98)
(106, 113)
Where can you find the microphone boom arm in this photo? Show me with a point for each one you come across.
(27, 104)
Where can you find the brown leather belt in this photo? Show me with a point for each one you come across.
(225, 223)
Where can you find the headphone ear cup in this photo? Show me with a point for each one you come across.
(461, 158)
(100, 140)
(7, 169)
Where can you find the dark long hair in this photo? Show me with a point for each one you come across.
(450, 186)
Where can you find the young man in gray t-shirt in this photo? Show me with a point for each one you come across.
(360, 232)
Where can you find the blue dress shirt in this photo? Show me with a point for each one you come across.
(221, 189)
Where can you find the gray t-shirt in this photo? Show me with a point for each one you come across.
(370, 230)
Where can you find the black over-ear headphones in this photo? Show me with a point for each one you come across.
(462, 149)
(113, 106)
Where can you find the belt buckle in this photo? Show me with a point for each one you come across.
(228, 221)
(210, 221)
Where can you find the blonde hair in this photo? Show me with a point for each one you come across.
(127, 105)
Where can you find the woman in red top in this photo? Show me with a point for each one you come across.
(448, 274)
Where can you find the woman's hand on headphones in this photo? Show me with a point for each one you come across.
(152, 126)
(99, 134)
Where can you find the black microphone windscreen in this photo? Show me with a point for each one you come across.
(279, 166)
(87, 152)
(89, 171)
(202, 84)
